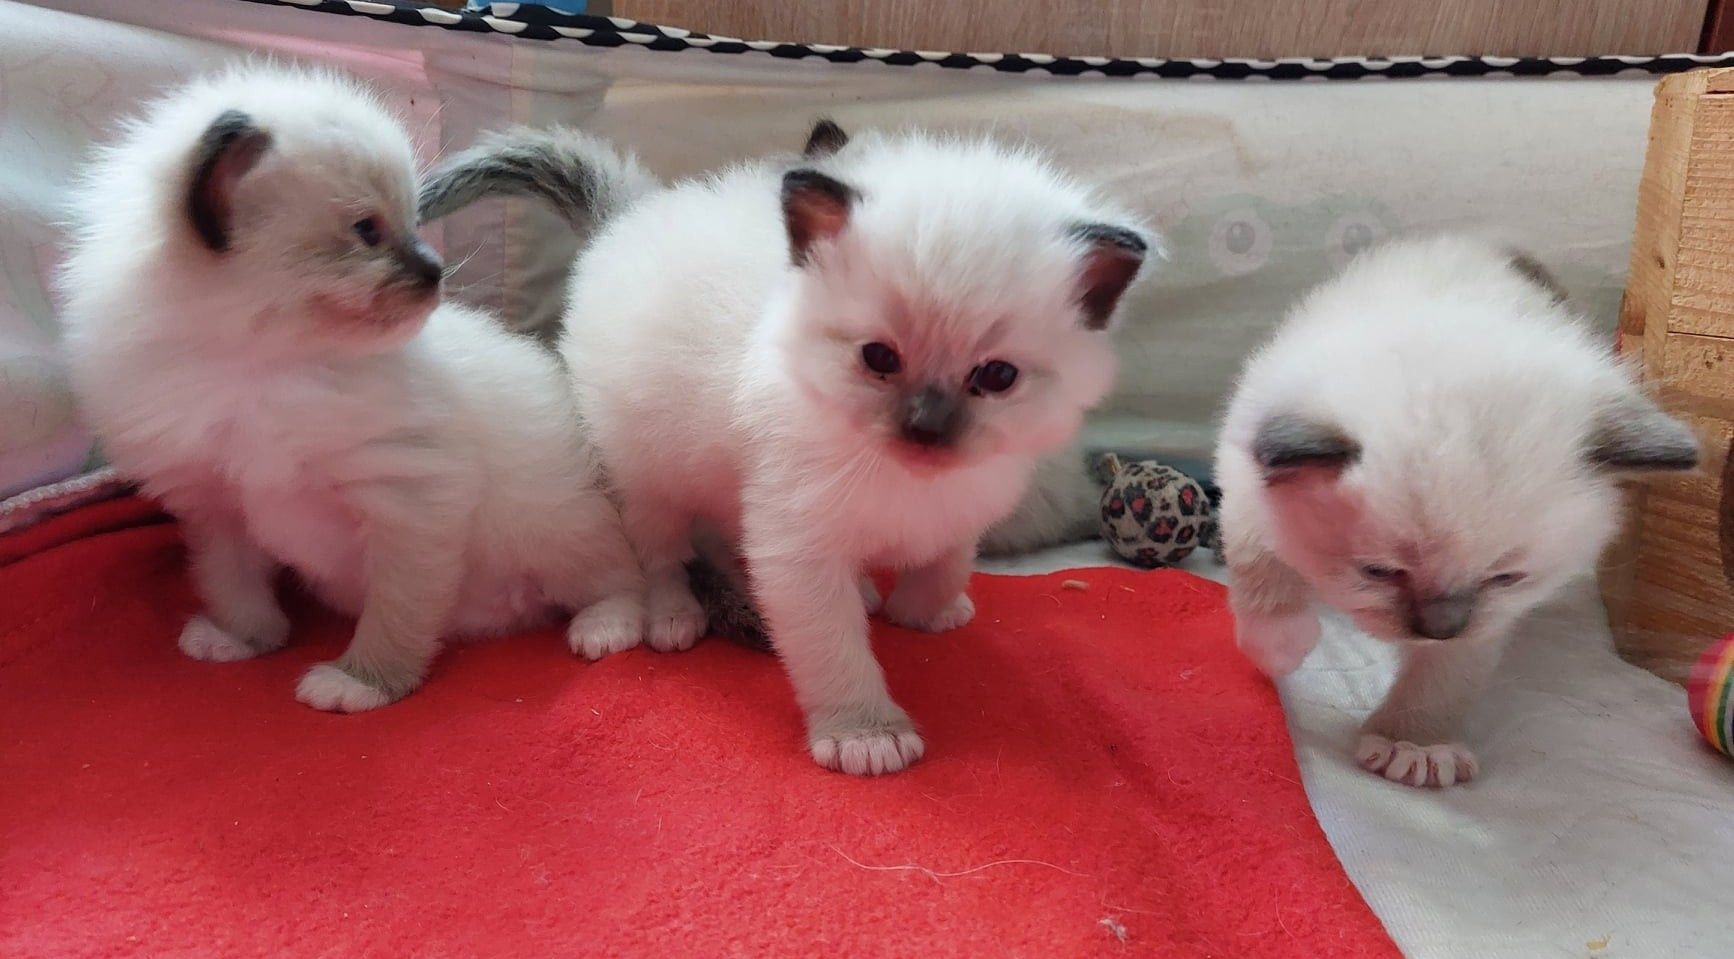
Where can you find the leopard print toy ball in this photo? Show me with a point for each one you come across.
(1155, 515)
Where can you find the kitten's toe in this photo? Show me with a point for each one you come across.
(205, 640)
(952, 615)
(1374, 752)
(673, 619)
(1276, 644)
(613, 625)
(870, 597)
(326, 686)
(1404, 762)
(865, 742)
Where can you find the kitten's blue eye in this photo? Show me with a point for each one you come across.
(881, 359)
(994, 376)
(369, 230)
(1374, 571)
(1503, 579)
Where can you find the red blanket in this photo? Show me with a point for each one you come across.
(1104, 776)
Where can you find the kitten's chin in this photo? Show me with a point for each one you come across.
(385, 320)
(1384, 627)
(1389, 630)
(924, 460)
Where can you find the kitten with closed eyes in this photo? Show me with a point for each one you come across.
(255, 332)
(845, 361)
(1433, 444)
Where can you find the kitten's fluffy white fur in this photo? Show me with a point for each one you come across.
(727, 386)
(255, 332)
(1432, 444)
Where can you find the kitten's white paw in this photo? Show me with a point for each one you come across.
(673, 618)
(1404, 762)
(326, 686)
(956, 613)
(870, 597)
(866, 742)
(613, 625)
(1277, 645)
(203, 639)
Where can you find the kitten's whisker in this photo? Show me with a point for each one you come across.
(465, 261)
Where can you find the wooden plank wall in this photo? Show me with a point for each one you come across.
(1667, 585)
(1203, 28)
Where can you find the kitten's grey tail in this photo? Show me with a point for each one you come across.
(583, 177)
(1062, 505)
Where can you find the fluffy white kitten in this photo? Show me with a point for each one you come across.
(1433, 444)
(255, 332)
(847, 361)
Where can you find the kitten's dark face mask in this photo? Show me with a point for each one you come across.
(1435, 570)
(936, 384)
(327, 240)
(928, 418)
(411, 264)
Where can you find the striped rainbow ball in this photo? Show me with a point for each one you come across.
(1710, 694)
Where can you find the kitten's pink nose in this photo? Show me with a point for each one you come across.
(421, 264)
(1442, 617)
(931, 417)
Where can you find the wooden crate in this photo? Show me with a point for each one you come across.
(1667, 583)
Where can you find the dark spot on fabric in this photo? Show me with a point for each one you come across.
(1532, 270)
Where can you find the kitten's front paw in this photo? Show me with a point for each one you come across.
(326, 686)
(613, 625)
(1276, 644)
(205, 640)
(865, 742)
(1412, 765)
(956, 613)
(673, 618)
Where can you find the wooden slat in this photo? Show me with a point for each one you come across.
(1678, 597)
(1649, 295)
(1702, 299)
(1205, 28)
(1699, 365)
(1666, 583)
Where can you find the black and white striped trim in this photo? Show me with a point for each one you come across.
(528, 22)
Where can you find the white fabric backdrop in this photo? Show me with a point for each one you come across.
(1259, 186)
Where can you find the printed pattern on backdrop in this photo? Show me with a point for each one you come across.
(530, 22)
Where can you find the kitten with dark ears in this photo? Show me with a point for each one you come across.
(1432, 444)
(255, 332)
(849, 360)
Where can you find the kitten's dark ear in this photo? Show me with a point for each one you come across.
(827, 138)
(1633, 435)
(1532, 270)
(230, 147)
(1287, 445)
(815, 208)
(1114, 258)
